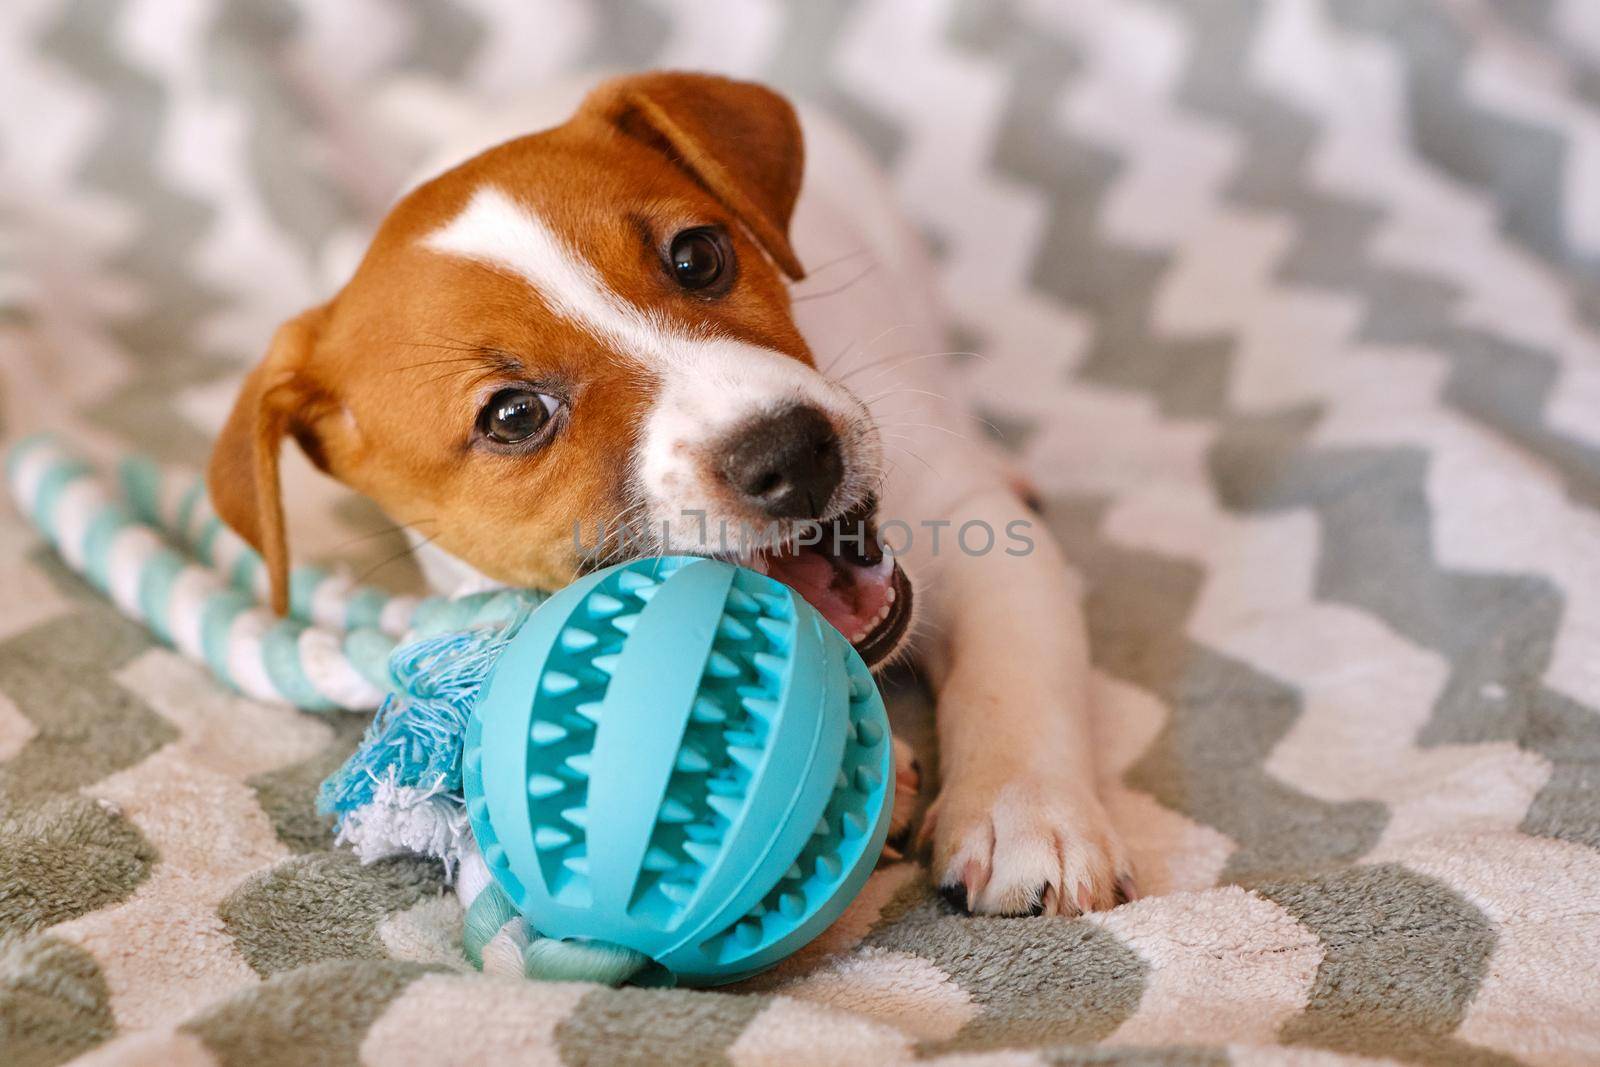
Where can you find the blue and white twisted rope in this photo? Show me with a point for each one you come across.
(159, 551)
(177, 505)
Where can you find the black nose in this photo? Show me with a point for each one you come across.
(787, 465)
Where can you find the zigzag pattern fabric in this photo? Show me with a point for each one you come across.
(1291, 308)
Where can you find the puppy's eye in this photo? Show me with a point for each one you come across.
(514, 415)
(697, 259)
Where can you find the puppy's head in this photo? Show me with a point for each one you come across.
(578, 346)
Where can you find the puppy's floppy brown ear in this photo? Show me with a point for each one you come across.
(242, 478)
(739, 140)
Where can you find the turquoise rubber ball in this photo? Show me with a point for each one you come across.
(681, 757)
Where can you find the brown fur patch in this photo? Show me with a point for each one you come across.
(403, 358)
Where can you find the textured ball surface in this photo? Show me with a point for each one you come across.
(681, 757)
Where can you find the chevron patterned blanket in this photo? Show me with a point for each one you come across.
(1291, 307)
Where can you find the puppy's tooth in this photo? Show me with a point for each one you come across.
(890, 598)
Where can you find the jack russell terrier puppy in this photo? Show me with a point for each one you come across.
(590, 329)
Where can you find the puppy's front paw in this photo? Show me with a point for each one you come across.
(907, 783)
(1026, 848)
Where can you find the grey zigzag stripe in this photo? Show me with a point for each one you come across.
(62, 854)
(631, 34)
(65, 856)
(814, 28)
(288, 794)
(1582, 67)
(171, 223)
(447, 37)
(660, 1027)
(1134, 1056)
(1521, 164)
(1497, 631)
(1039, 984)
(1500, 383)
(245, 54)
(248, 50)
(54, 1003)
(1535, 20)
(59, 674)
(635, 32)
(322, 906)
(313, 1016)
(1226, 717)
(1402, 957)
(302, 199)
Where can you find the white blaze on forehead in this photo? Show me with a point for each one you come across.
(705, 385)
(496, 230)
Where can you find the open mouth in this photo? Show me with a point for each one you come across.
(841, 570)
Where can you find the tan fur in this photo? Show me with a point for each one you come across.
(382, 385)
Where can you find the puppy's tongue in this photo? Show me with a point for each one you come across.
(848, 577)
(855, 599)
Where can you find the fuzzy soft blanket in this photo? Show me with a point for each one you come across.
(1292, 307)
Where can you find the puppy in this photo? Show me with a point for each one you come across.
(583, 343)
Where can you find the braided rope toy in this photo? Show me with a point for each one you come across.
(673, 771)
(157, 549)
